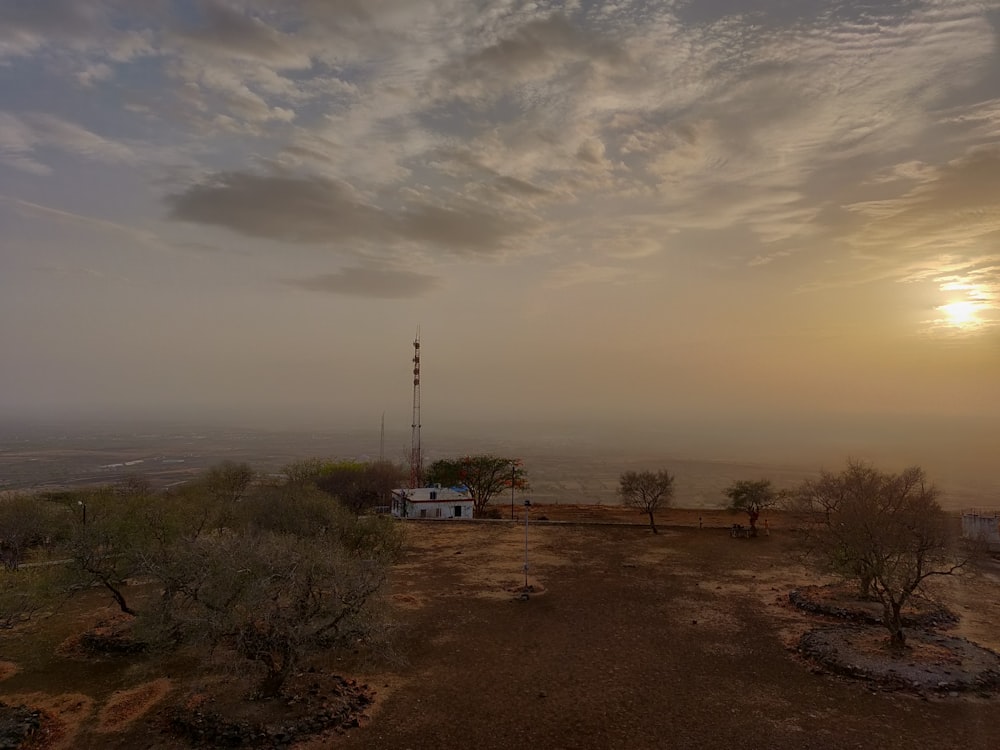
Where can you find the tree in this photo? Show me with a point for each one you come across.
(105, 549)
(887, 531)
(25, 522)
(28, 591)
(751, 497)
(361, 486)
(229, 481)
(484, 476)
(648, 491)
(279, 584)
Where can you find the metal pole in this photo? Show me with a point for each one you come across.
(513, 470)
(527, 505)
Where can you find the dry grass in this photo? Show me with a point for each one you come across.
(8, 669)
(65, 715)
(125, 706)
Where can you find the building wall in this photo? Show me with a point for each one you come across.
(417, 503)
(443, 509)
(982, 526)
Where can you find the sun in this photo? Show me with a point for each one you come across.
(962, 314)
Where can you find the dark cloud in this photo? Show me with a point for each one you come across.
(317, 209)
(458, 229)
(292, 209)
(378, 283)
(532, 50)
(520, 187)
(539, 41)
(220, 27)
(59, 17)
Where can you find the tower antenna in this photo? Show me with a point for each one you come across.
(416, 458)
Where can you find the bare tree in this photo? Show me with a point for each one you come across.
(25, 522)
(28, 591)
(886, 531)
(104, 548)
(229, 481)
(648, 491)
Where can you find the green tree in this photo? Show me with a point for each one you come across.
(361, 486)
(279, 585)
(648, 491)
(886, 531)
(485, 476)
(752, 497)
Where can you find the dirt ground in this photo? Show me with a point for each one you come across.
(630, 640)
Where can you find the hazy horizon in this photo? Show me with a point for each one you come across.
(717, 228)
(558, 457)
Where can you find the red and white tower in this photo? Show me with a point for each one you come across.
(416, 457)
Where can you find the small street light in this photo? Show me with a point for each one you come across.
(84, 506)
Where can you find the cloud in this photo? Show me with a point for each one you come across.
(292, 209)
(376, 283)
(219, 28)
(73, 28)
(955, 205)
(588, 273)
(17, 144)
(21, 136)
(535, 49)
(85, 222)
(320, 210)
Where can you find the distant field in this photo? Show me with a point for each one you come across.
(560, 470)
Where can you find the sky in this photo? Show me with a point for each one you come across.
(638, 213)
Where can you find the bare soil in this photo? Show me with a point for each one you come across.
(681, 639)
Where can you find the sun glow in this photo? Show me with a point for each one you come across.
(974, 304)
(963, 315)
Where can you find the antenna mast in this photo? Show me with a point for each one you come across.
(416, 458)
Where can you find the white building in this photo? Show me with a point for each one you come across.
(983, 527)
(432, 502)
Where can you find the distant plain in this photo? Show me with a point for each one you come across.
(564, 466)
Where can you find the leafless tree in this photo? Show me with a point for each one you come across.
(27, 521)
(649, 491)
(886, 531)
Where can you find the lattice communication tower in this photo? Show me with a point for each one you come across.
(416, 457)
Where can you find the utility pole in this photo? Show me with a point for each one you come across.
(527, 505)
(513, 473)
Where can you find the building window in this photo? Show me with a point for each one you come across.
(437, 512)
(458, 511)
(434, 495)
(423, 512)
